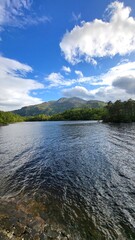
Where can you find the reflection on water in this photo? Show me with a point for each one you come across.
(82, 172)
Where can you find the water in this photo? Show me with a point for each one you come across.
(83, 172)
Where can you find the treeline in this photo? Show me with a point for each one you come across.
(80, 114)
(39, 117)
(8, 117)
(120, 111)
(73, 114)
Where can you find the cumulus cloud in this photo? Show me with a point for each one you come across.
(100, 38)
(107, 80)
(78, 91)
(66, 69)
(127, 83)
(117, 83)
(15, 88)
(18, 13)
(111, 93)
(106, 94)
(120, 71)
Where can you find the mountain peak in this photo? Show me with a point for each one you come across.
(59, 106)
(61, 100)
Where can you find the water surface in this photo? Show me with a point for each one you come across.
(82, 171)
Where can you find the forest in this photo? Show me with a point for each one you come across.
(120, 111)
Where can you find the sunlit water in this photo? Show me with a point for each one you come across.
(85, 170)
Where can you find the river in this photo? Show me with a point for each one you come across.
(78, 175)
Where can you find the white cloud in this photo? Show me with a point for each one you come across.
(58, 80)
(127, 83)
(124, 69)
(101, 38)
(11, 66)
(121, 70)
(79, 73)
(18, 13)
(106, 94)
(14, 86)
(117, 83)
(78, 91)
(66, 69)
(111, 93)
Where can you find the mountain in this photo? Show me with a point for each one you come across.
(61, 105)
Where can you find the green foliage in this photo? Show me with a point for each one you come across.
(120, 111)
(80, 114)
(40, 117)
(73, 114)
(8, 117)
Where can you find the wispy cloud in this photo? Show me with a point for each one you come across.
(66, 69)
(76, 17)
(15, 87)
(19, 13)
(57, 80)
(99, 38)
(79, 73)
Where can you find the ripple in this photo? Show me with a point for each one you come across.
(83, 172)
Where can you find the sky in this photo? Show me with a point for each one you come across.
(66, 48)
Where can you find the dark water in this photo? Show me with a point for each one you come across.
(85, 170)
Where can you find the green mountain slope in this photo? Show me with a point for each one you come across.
(59, 106)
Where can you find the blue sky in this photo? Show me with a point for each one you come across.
(51, 49)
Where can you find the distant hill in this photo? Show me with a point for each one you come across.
(59, 106)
